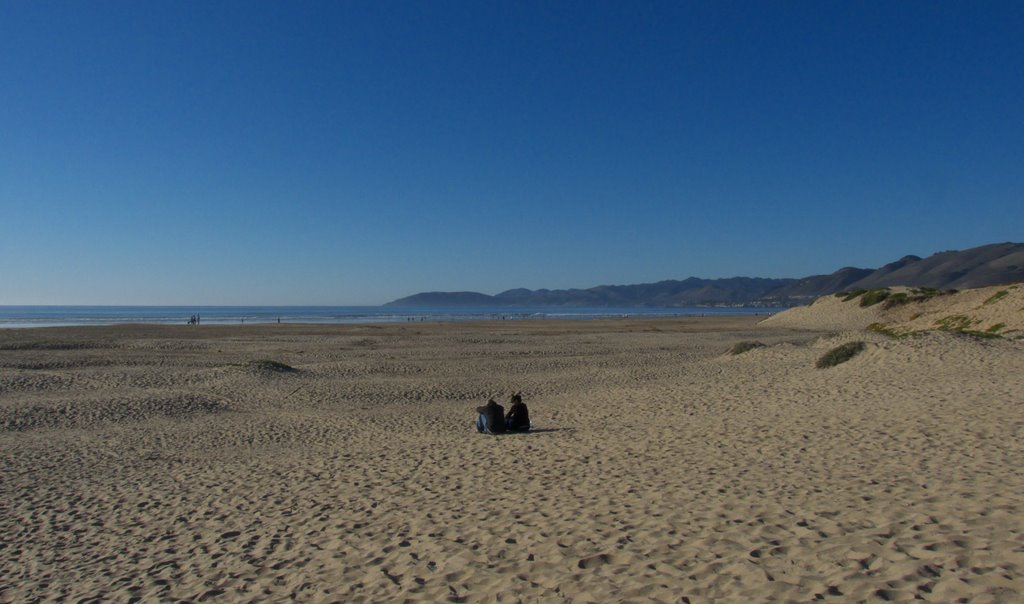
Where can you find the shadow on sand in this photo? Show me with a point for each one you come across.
(534, 431)
(539, 430)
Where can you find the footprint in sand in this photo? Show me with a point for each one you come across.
(594, 561)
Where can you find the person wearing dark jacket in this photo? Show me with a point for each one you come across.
(491, 419)
(518, 418)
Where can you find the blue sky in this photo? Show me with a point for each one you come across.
(356, 152)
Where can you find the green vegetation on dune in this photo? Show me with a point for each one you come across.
(917, 294)
(895, 300)
(885, 330)
(962, 324)
(870, 297)
(840, 354)
(741, 347)
(850, 295)
(874, 296)
(891, 299)
(956, 323)
(268, 366)
(999, 295)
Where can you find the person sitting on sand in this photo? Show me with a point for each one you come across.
(491, 419)
(518, 418)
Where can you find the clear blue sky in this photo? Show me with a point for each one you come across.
(355, 152)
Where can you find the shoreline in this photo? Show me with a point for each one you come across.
(716, 321)
(14, 317)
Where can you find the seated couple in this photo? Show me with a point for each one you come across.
(492, 419)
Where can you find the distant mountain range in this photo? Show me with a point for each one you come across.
(993, 264)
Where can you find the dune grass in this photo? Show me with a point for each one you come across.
(874, 296)
(870, 297)
(999, 295)
(741, 347)
(268, 366)
(840, 354)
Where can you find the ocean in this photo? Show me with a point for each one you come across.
(56, 316)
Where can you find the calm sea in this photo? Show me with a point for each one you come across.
(54, 316)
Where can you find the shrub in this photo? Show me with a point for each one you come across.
(917, 294)
(840, 354)
(850, 295)
(882, 329)
(268, 366)
(874, 296)
(741, 347)
(896, 300)
(961, 325)
(955, 323)
(999, 295)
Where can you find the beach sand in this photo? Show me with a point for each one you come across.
(162, 463)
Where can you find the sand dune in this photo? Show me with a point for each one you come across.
(997, 310)
(159, 463)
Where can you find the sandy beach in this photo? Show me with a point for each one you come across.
(144, 464)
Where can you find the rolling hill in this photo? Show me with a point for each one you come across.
(982, 266)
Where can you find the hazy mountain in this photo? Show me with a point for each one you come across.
(809, 288)
(977, 267)
(445, 299)
(738, 291)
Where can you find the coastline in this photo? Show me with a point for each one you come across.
(21, 317)
(165, 462)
